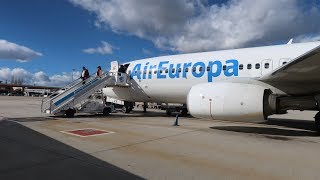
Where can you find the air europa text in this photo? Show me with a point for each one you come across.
(165, 69)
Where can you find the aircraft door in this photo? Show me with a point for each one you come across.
(114, 66)
(266, 66)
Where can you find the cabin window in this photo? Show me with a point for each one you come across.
(155, 72)
(258, 66)
(284, 62)
(266, 65)
(144, 72)
(179, 70)
(160, 71)
(167, 71)
(224, 67)
(208, 68)
(249, 66)
(200, 69)
(173, 70)
(240, 66)
(194, 69)
(186, 70)
(150, 72)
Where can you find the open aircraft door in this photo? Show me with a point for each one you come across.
(114, 66)
(121, 78)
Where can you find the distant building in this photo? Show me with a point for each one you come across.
(26, 90)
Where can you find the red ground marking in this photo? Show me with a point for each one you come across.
(87, 132)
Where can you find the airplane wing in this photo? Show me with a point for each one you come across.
(300, 76)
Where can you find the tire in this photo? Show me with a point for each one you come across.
(317, 122)
(130, 109)
(70, 113)
(125, 109)
(106, 111)
(168, 112)
(184, 112)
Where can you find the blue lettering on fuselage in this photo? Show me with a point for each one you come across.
(198, 69)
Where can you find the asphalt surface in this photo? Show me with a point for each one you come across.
(27, 154)
(146, 145)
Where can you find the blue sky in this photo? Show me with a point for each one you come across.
(58, 36)
(60, 31)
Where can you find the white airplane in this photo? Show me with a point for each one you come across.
(240, 84)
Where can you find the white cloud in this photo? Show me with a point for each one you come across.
(194, 25)
(307, 38)
(38, 78)
(105, 48)
(9, 50)
(143, 18)
(246, 23)
(146, 51)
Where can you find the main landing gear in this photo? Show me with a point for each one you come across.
(317, 121)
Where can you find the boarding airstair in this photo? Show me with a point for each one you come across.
(75, 95)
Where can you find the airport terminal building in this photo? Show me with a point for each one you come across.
(25, 90)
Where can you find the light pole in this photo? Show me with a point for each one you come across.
(72, 74)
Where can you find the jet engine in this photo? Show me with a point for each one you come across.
(230, 101)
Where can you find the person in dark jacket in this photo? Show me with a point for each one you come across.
(122, 69)
(99, 71)
(84, 74)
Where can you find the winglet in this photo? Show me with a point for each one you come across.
(290, 41)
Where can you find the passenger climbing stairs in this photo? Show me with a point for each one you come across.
(78, 92)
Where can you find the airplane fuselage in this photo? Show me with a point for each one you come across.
(170, 78)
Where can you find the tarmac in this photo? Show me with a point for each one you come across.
(147, 146)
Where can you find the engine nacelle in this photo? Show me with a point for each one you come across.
(229, 101)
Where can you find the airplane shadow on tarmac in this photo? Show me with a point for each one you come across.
(31, 119)
(120, 114)
(85, 115)
(302, 128)
(27, 154)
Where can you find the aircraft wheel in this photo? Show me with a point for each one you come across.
(70, 113)
(184, 112)
(317, 122)
(168, 112)
(106, 111)
(145, 105)
(125, 109)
